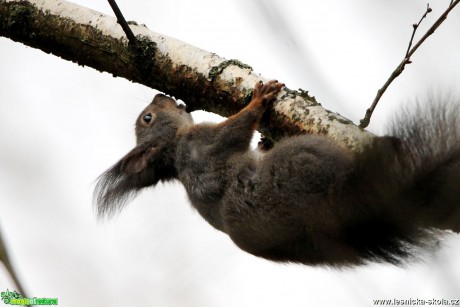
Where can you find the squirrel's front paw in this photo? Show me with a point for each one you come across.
(265, 94)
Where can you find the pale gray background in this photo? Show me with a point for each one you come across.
(61, 125)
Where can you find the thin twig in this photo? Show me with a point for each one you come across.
(399, 69)
(122, 21)
(415, 27)
(434, 27)
(5, 259)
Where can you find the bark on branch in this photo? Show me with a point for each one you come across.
(200, 78)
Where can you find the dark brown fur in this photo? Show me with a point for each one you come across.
(307, 199)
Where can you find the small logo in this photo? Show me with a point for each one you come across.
(15, 298)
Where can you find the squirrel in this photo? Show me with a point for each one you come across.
(306, 200)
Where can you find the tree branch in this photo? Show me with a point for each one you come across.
(200, 78)
(400, 68)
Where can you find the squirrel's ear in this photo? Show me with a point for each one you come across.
(125, 179)
(137, 159)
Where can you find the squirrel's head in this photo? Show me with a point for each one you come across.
(152, 160)
(163, 118)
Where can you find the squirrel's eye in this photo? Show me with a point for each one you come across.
(147, 118)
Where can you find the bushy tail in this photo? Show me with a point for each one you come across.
(430, 155)
(406, 186)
